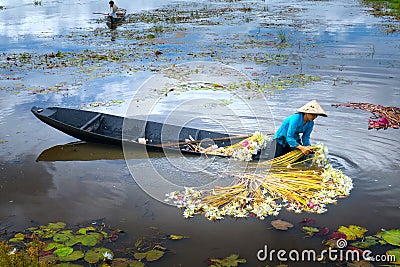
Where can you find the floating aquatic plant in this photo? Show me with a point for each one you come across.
(362, 252)
(384, 8)
(51, 244)
(229, 261)
(352, 232)
(357, 233)
(151, 255)
(384, 116)
(391, 236)
(97, 254)
(103, 104)
(310, 230)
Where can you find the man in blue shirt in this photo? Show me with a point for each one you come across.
(288, 138)
(113, 11)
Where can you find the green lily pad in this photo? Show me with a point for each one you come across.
(73, 241)
(105, 234)
(177, 237)
(310, 230)
(53, 245)
(96, 254)
(39, 233)
(91, 239)
(392, 236)
(124, 262)
(394, 253)
(61, 237)
(48, 233)
(136, 263)
(63, 251)
(367, 242)
(56, 226)
(83, 231)
(153, 255)
(352, 232)
(74, 256)
(18, 235)
(17, 238)
(139, 255)
(230, 261)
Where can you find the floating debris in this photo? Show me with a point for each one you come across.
(103, 104)
(281, 225)
(384, 117)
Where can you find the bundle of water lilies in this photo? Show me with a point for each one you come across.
(245, 149)
(280, 183)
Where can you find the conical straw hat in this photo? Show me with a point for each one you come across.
(313, 107)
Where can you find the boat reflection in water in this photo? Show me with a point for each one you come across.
(84, 151)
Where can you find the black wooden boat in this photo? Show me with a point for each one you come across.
(96, 127)
(121, 14)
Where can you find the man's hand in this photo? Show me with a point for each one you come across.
(305, 149)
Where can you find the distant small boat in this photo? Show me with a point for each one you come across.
(121, 13)
(104, 128)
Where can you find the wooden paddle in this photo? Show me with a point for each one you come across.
(204, 140)
(100, 13)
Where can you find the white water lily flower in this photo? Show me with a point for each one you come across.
(107, 255)
(12, 252)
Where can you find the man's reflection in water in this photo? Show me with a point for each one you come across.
(114, 34)
(113, 30)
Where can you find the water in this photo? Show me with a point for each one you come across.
(339, 41)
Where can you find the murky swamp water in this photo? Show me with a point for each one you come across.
(341, 51)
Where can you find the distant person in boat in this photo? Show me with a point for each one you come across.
(113, 11)
(287, 138)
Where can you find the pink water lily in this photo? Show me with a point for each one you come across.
(383, 120)
(245, 143)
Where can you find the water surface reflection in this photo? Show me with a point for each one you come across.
(42, 179)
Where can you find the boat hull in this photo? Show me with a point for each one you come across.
(96, 127)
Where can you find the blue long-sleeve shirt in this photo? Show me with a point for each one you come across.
(289, 132)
